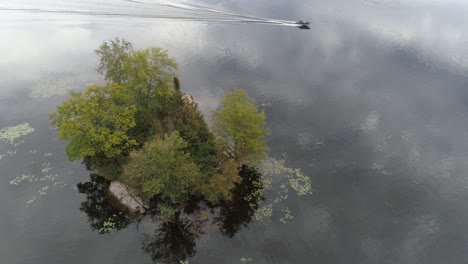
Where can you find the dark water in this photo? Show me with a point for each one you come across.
(370, 104)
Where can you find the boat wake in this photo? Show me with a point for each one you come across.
(144, 9)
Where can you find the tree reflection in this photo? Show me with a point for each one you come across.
(102, 214)
(238, 213)
(174, 241)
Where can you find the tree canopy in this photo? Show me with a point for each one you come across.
(148, 73)
(241, 126)
(96, 122)
(113, 56)
(162, 168)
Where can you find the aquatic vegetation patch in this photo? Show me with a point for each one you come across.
(60, 184)
(43, 190)
(11, 133)
(47, 177)
(291, 180)
(380, 168)
(108, 225)
(287, 216)
(299, 182)
(32, 200)
(264, 211)
(10, 152)
(246, 260)
(51, 87)
(46, 167)
(22, 178)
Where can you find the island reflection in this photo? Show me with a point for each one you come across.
(99, 208)
(174, 240)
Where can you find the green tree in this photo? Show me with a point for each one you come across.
(241, 126)
(148, 73)
(217, 186)
(162, 168)
(113, 56)
(191, 125)
(96, 122)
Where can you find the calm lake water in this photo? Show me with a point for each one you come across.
(371, 104)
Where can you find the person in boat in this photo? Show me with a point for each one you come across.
(300, 22)
(303, 25)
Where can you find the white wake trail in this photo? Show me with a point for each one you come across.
(142, 9)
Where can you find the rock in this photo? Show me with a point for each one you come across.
(188, 99)
(121, 192)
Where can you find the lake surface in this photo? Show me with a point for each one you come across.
(371, 104)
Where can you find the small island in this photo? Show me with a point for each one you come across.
(143, 133)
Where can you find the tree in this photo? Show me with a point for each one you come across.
(96, 122)
(191, 125)
(241, 126)
(148, 73)
(162, 168)
(217, 186)
(113, 56)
